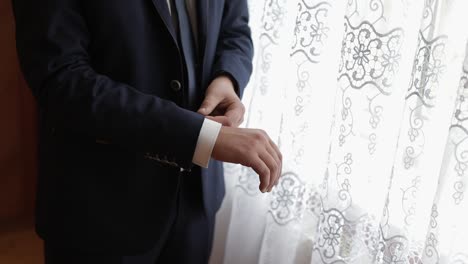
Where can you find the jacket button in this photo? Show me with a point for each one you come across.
(176, 85)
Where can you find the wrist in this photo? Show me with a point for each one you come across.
(227, 80)
(219, 144)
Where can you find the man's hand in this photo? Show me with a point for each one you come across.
(222, 104)
(252, 148)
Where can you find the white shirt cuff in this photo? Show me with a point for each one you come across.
(206, 140)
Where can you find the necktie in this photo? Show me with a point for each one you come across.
(187, 43)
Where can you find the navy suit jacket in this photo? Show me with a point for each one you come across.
(115, 128)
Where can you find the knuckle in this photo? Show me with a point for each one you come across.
(265, 172)
(258, 135)
(278, 162)
(275, 167)
(264, 133)
(256, 146)
(277, 178)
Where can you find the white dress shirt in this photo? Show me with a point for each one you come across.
(210, 129)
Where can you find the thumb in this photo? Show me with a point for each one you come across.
(208, 105)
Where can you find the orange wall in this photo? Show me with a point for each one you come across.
(17, 129)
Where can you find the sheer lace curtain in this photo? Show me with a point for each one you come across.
(367, 100)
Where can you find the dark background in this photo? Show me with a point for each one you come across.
(18, 148)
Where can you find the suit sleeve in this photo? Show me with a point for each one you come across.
(52, 43)
(235, 50)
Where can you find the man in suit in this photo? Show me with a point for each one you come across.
(135, 97)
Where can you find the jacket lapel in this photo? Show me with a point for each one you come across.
(203, 21)
(163, 11)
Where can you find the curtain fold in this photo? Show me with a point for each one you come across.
(367, 101)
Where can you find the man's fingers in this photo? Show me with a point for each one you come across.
(273, 166)
(236, 112)
(233, 116)
(275, 177)
(208, 105)
(280, 158)
(259, 166)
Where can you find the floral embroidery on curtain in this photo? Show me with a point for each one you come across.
(367, 100)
